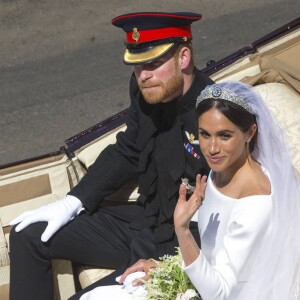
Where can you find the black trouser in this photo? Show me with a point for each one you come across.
(98, 240)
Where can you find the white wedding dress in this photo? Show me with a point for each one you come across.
(230, 230)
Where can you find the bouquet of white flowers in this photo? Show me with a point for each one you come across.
(169, 282)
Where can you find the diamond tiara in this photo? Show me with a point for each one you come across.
(217, 92)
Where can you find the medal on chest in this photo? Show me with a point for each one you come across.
(189, 145)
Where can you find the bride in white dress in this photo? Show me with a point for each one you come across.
(248, 207)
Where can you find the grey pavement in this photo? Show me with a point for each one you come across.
(61, 67)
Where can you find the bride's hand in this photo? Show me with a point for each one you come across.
(143, 265)
(185, 209)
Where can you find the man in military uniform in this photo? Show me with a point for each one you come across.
(159, 147)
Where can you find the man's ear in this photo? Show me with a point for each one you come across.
(184, 58)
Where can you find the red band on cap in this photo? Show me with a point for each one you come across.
(142, 36)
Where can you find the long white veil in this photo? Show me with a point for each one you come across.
(277, 277)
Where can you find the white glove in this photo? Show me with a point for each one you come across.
(129, 288)
(57, 214)
(126, 291)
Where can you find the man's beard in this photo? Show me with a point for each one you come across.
(163, 91)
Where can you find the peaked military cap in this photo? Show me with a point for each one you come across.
(151, 35)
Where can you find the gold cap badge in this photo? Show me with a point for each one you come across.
(135, 35)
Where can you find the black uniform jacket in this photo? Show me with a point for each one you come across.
(158, 147)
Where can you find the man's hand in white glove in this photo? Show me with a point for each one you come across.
(57, 214)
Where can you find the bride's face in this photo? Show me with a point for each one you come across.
(222, 142)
